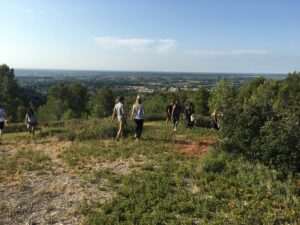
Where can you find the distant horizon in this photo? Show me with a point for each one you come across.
(150, 71)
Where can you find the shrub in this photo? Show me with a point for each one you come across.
(279, 144)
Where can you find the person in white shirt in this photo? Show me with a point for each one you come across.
(31, 122)
(138, 113)
(121, 115)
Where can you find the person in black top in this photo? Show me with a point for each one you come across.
(169, 110)
(188, 113)
(176, 114)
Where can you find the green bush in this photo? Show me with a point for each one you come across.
(263, 123)
(279, 144)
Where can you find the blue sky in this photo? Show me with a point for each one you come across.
(152, 35)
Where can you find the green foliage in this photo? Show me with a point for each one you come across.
(65, 101)
(200, 100)
(223, 96)
(248, 89)
(9, 91)
(288, 99)
(14, 98)
(279, 143)
(102, 103)
(175, 191)
(52, 111)
(265, 125)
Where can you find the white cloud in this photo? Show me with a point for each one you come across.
(166, 45)
(162, 46)
(227, 53)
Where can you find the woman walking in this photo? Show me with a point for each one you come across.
(176, 114)
(214, 120)
(31, 122)
(138, 113)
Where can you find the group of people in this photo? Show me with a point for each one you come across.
(30, 121)
(137, 114)
(173, 112)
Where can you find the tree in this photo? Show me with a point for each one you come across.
(200, 100)
(248, 89)
(72, 97)
(223, 96)
(102, 103)
(288, 99)
(9, 91)
(77, 98)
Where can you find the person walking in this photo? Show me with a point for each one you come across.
(214, 120)
(2, 121)
(176, 114)
(169, 110)
(138, 113)
(31, 122)
(188, 115)
(121, 115)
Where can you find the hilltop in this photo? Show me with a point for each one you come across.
(165, 178)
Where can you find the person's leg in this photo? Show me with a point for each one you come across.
(177, 122)
(1, 129)
(120, 129)
(141, 123)
(187, 123)
(33, 131)
(174, 123)
(137, 128)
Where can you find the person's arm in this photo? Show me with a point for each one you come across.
(173, 110)
(26, 119)
(132, 113)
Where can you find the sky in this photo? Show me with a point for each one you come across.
(152, 35)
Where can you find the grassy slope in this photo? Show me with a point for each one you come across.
(161, 185)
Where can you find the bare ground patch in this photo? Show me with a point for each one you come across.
(53, 197)
(196, 148)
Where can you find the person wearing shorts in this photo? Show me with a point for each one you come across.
(121, 115)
